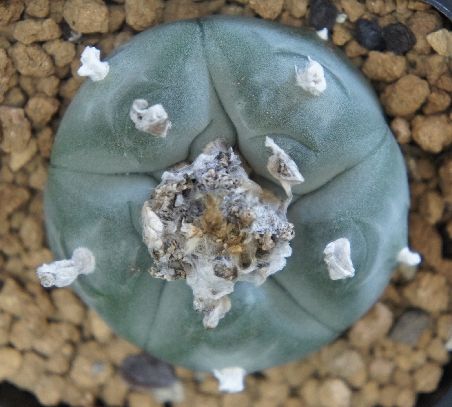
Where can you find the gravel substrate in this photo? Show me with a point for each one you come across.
(54, 347)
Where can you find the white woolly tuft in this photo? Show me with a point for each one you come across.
(150, 119)
(337, 256)
(408, 258)
(312, 78)
(64, 272)
(92, 65)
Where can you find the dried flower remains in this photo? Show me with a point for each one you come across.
(210, 224)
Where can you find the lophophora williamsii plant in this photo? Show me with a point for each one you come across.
(227, 193)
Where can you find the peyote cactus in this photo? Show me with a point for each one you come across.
(237, 187)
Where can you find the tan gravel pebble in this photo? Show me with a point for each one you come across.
(338, 360)
(141, 14)
(86, 16)
(368, 396)
(90, 373)
(49, 389)
(401, 129)
(405, 96)
(381, 7)
(373, 326)
(297, 8)
(441, 42)
(37, 8)
(432, 206)
(32, 60)
(69, 307)
(30, 371)
(182, 9)
(16, 131)
(437, 351)
(310, 392)
(59, 362)
(432, 133)
(100, 330)
(384, 66)
(445, 82)
(353, 49)
(429, 292)
(10, 11)
(18, 159)
(341, 34)
(381, 370)
(334, 393)
(423, 23)
(426, 377)
(136, 399)
(40, 109)
(7, 71)
(437, 102)
(243, 400)
(444, 327)
(31, 30)
(5, 326)
(11, 362)
(405, 398)
(117, 16)
(63, 52)
(23, 332)
(353, 9)
(115, 391)
(388, 395)
(269, 9)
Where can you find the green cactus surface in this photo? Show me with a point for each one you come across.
(234, 79)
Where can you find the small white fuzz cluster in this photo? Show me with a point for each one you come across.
(323, 34)
(64, 272)
(92, 65)
(210, 224)
(230, 379)
(150, 119)
(282, 167)
(341, 18)
(312, 78)
(337, 256)
(408, 258)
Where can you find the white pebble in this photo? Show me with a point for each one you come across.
(230, 379)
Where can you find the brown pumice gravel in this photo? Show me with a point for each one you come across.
(54, 347)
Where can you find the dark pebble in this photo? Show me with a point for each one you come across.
(369, 34)
(322, 14)
(144, 370)
(398, 38)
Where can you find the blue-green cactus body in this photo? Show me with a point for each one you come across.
(232, 79)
